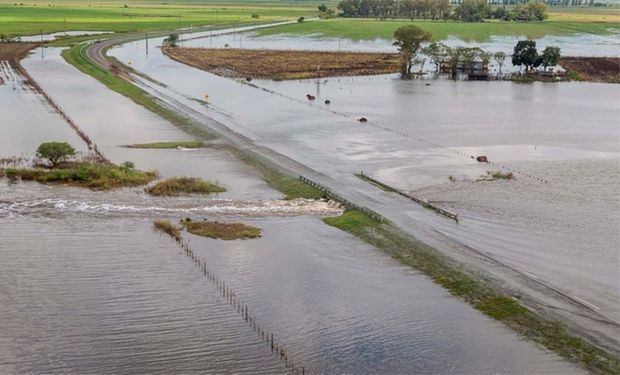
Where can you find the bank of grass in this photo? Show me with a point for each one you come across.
(167, 227)
(92, 176)
(368, 29)
(222, 231)
(165, 145)
(499, 175)
(32, 17)
(176, 186)
(76, 56)
(476, 291)
(284, 64)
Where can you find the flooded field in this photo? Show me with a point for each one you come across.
(27, 119)
(106, 294)
(114, 297)
(434, 129)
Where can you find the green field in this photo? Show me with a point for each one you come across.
(359, 29)
(114, 16)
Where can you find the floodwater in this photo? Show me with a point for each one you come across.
(578, 44)
(27, 120)
(105, 294)
(581, 44)
(89, 288)
(418, 135)
(60, 34)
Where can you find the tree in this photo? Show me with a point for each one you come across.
(436, 52)
(409, 39)
(323, 8)
(172, 40)
(500, 58)
(55, 151)
(550, 57)
(301, 19)
(536, 10)
(525, 53)
(472, 10)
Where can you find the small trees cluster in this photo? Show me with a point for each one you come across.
(526, 54)
(172, 40)
(409, 41)
(534, 11)
(9, 38)
(467, 10)
(325, 12)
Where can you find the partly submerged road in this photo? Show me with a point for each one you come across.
(422, 224)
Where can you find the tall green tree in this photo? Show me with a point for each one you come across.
(55, 152)
(500, 59)
(526, 54)
(409, 40)
(550, 56)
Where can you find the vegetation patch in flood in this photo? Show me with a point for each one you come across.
(475, 290)
(499, 175)
(88, 175)
(162, 145)
(223, 231)
(167, 227)
(184, 185)
(274, 64)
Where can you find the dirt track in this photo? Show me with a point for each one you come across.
(280, 64)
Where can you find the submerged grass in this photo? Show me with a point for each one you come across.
(223, 231)
(476, 291)
(167, 227)
(162, 145)
(499, 175)
(184, 185)
(92, 176)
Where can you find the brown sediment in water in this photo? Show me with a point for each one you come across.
(599, 69)
(280, 65)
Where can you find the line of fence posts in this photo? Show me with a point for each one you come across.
(242, 308)
(421, 202)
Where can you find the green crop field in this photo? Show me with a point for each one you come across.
(564, 22)
(34, 17)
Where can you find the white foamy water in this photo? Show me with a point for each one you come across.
(53, 206)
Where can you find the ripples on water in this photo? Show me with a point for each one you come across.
(107, 295)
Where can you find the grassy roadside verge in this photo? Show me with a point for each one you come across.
(475, 291)
(76, 56)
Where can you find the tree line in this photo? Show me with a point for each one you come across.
(409, 40)
(467, 10)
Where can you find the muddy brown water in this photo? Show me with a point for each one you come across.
(89, 287)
